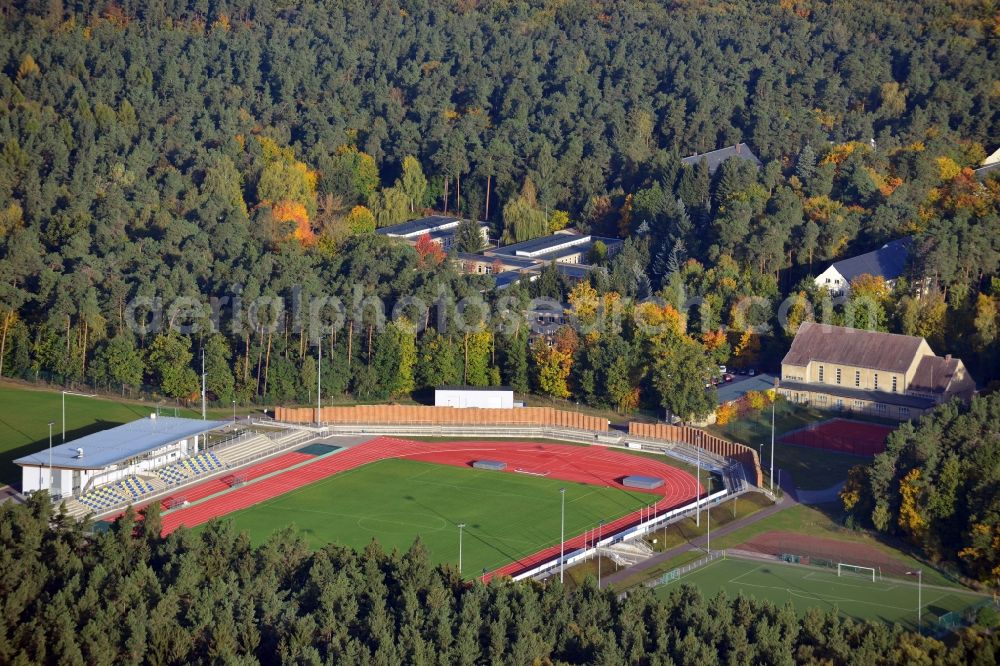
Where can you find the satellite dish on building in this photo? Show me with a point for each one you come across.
(79, 453)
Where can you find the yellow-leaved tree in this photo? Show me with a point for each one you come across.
(911, 520)
(288, 186)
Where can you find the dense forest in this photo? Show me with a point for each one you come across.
(198, 149)
(130, 596)
(937, 485)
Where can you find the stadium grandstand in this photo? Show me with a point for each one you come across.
(124, 463)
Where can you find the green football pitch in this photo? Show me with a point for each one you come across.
(853, 595)
(506, 516)
(27, 412)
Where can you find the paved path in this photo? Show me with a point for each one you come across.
(700, 542)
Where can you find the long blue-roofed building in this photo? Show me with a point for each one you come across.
(114, 456)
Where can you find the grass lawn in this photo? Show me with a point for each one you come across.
(853, 595)
(685, 530)
(578, 573)
(506, 516)
(658, 570)
(26, 413)
(812, 469)
(818, 521)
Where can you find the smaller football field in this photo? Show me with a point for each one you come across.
(853, 595)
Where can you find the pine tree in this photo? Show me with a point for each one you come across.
(805, 167)
(468, 237)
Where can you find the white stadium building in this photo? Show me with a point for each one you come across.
(106, 466)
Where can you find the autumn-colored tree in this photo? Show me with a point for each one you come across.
(552, 368)
(725, 413)
(285, 178)
(429, 252)
(798, 312)
(625, 217)
(657, 321)
(566, 340)
(985, 321)
(477, 352)
(713, 340)
(757, 400)
(559, 219)
(983, 556)
(360, 221)
(583, 305)
(911, 520)
(854, 488)
(947, 168)
(28, 67)
(746, 349)
(869, 297)
(11, 218)
(286, 211)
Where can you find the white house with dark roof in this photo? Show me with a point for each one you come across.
(715, 158)
(887, 262)
(884, 374)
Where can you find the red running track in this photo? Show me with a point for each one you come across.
(583, 464)
(219, 485)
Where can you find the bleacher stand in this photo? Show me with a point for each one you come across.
(133, 487)
(187, 468)
(101, 499)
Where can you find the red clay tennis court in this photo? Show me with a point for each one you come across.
(583, 464)
(842, 436)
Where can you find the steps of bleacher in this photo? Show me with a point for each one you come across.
(75, 508)
(238, 452)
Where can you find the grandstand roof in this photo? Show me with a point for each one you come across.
(114, 445)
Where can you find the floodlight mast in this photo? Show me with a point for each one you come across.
(562, 534)
(202, 383)
(774, 399)
(51, 423)
(319, 382)
(697, 483)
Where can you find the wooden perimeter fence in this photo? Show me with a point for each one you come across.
(444, 416)
(695, 437)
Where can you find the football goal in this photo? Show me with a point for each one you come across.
(844, 569)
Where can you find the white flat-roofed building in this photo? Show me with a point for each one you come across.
(562, 247)
(111, 455)
(440, 228)
(489, 397)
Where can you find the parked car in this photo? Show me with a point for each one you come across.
(751, 372)
(727, 377)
